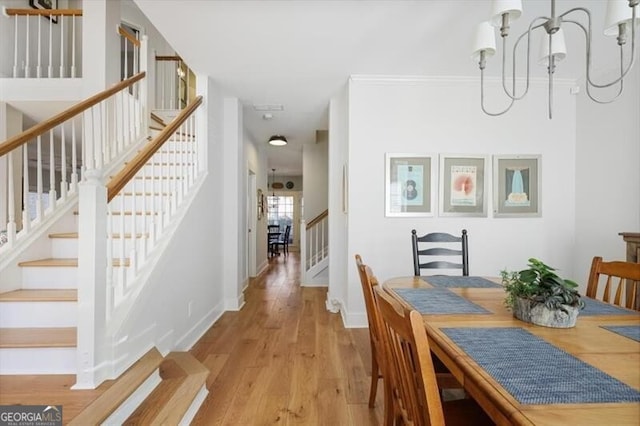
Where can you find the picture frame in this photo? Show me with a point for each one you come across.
(517, 187)
(463, 185)
(47, 5)
(409, 185)
(260, 197)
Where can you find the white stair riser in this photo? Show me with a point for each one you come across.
(41, 277)
(116, 247)
(143, 224)
(38, 360)
(153, 185)
(171, 156)
(64, 247)
(38, 314)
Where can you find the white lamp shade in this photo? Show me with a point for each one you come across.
(485, 39)
(558, 47)
(500, 7)
(618, 12)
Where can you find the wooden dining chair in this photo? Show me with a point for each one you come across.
(417, 399)
(378, 366)
(439, 250)
(613, 275)
(283, 240)
(273, 233)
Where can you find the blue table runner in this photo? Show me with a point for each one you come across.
(536, 372)
(457, 281)
(629, 331)
(438, 301)
(596, 307)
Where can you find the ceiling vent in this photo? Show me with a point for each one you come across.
(268, 107)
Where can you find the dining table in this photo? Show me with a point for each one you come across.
(525, 374)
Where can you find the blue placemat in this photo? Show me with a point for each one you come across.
(596, 307)
(630, 331)
(438, 301)
(459, 282)
(536, 372)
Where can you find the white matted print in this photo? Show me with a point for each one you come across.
(463, 185)
(409, 185)
(516, 185)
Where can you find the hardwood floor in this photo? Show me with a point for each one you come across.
(282, 359)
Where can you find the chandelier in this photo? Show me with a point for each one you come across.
(620, 15)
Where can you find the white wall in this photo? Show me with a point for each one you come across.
(185, 293)
(607, 175)
(339, 258)
(433, 116)
(314, 176)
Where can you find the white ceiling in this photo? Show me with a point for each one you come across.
(299, 54)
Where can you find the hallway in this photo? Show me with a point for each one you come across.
(284, 359)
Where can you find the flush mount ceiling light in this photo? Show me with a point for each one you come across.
(620, 15)
(277, 140)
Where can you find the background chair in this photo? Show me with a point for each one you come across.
(614, 274)
(409, 356)
(378, 366)
(273, 234)
(283, 240)
(427, 248)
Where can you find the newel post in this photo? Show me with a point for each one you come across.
(144, 83)
(93, 353)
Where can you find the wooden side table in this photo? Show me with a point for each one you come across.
(633, 255)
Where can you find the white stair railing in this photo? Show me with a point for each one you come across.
(46, 162)
(44, 42)
(314, 241)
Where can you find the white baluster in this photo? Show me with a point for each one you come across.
(52, 173)
(39, 63)
(63, 165)
(15, 48)
(62, 20)
(50, 67)
(73, 46)
(11, 225)
(26, 218)
(39, 182)
(74, 158)
(27, 66)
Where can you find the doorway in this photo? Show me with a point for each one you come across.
(283, 210)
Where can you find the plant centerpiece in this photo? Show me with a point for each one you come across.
(538, 295)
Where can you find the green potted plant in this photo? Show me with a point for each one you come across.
(538, 295)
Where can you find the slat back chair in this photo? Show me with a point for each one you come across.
(614, 275)
(418, 399)
(429, 247)
(378, 366)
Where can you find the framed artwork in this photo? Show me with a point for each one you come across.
(260, 204)
(463, 185)
(46, 4)
(516, 185)
(409, 185)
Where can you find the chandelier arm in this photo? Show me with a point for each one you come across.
(619, 89)
(493, 114)
(588, 37)
(527, 33)
(588, 85)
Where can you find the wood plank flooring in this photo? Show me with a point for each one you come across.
(283, 359)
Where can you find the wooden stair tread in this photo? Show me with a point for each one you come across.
(64, 235)
(51, 262)
(102, 407)
(158, 119)
(68, 262)
(183, 377)
(54, 337)
(40, 295)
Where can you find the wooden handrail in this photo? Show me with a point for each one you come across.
(118, 182)
(126, 34)
(168, 58)
(45, 12)
(42, 127)
(317, 219)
